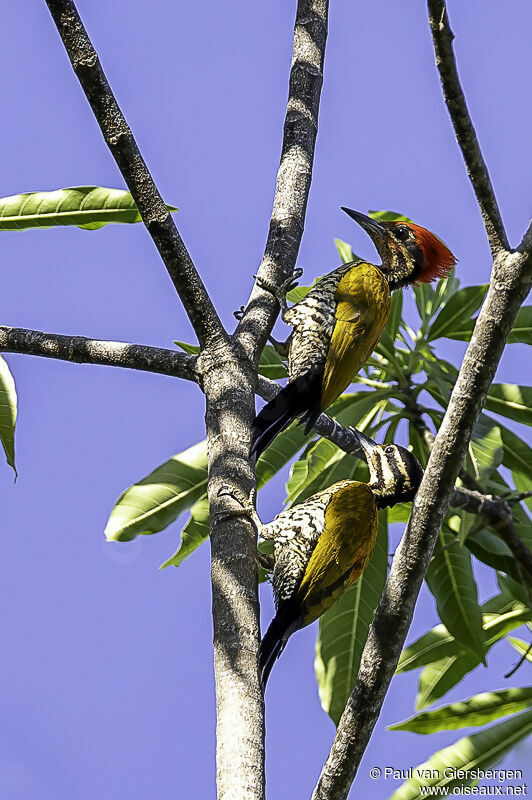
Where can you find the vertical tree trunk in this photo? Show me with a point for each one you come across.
(229, 387)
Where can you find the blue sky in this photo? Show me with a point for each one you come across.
(107, 679)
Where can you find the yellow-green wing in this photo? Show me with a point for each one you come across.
(363, 307)
(343, 549)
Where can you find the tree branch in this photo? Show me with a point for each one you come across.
(81, 350)
(496, 511)
(128, 157)
(294, 175)
(466, 136)
(511, 281)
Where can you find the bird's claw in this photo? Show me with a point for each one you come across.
(286, 286)
(246, 505)
(239, 313)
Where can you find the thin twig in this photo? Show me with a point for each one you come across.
(82, 350)
(466, 136)
(294, 175)
(128, 157)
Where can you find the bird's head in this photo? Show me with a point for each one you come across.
(410, 254)
(394, 472)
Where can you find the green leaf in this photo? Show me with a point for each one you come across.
(345, 251)
(486, 448)
(476, 752)
(424, 295)
(441, 676)
(88, 207)
(445, 289)
(297, 294)
(389, 216)
(271, 364)
(477, 710)
(156, 501)
(465, 302)
(511, 401)
(522, 329)
(391, 329)
(195, 532)
(522, 647)
(491, 550)
(191, 349)
(400, 512)
(500, 614)
(521, 333)
(451, 581)
(319, 457)
(8, 413)
(517, 454)
(344, 628)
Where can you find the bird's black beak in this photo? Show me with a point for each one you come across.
(367, 445)
(375, 230)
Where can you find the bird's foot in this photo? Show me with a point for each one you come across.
(280, 292)
(239, 313)
(246, 505)
(280, 347)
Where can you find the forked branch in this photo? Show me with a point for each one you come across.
(128, 157)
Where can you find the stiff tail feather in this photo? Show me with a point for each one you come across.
(285, 622)
(300, 396)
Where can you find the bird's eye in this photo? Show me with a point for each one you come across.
(402, 232)
(389, 450)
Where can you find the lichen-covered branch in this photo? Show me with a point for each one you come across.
(294, 175)
(82, 350)
(131, 164)
(466, 136)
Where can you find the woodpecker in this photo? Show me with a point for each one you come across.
(339, 322)
(323, 545)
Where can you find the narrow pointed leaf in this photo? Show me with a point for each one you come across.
(500, 614)
(8, 413)
(441, 676)
(88, 207)
(464, 303)
(521, 332)
(424, 295)
(478, 751)
(477, 710)
(388, 216)
(445, 289)
(451, 581)
(345, 251)
(344, 628)
(191, 349)
(391, 329)
(511, 401)
(522, 647)
(157, 500)
(195, 532)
